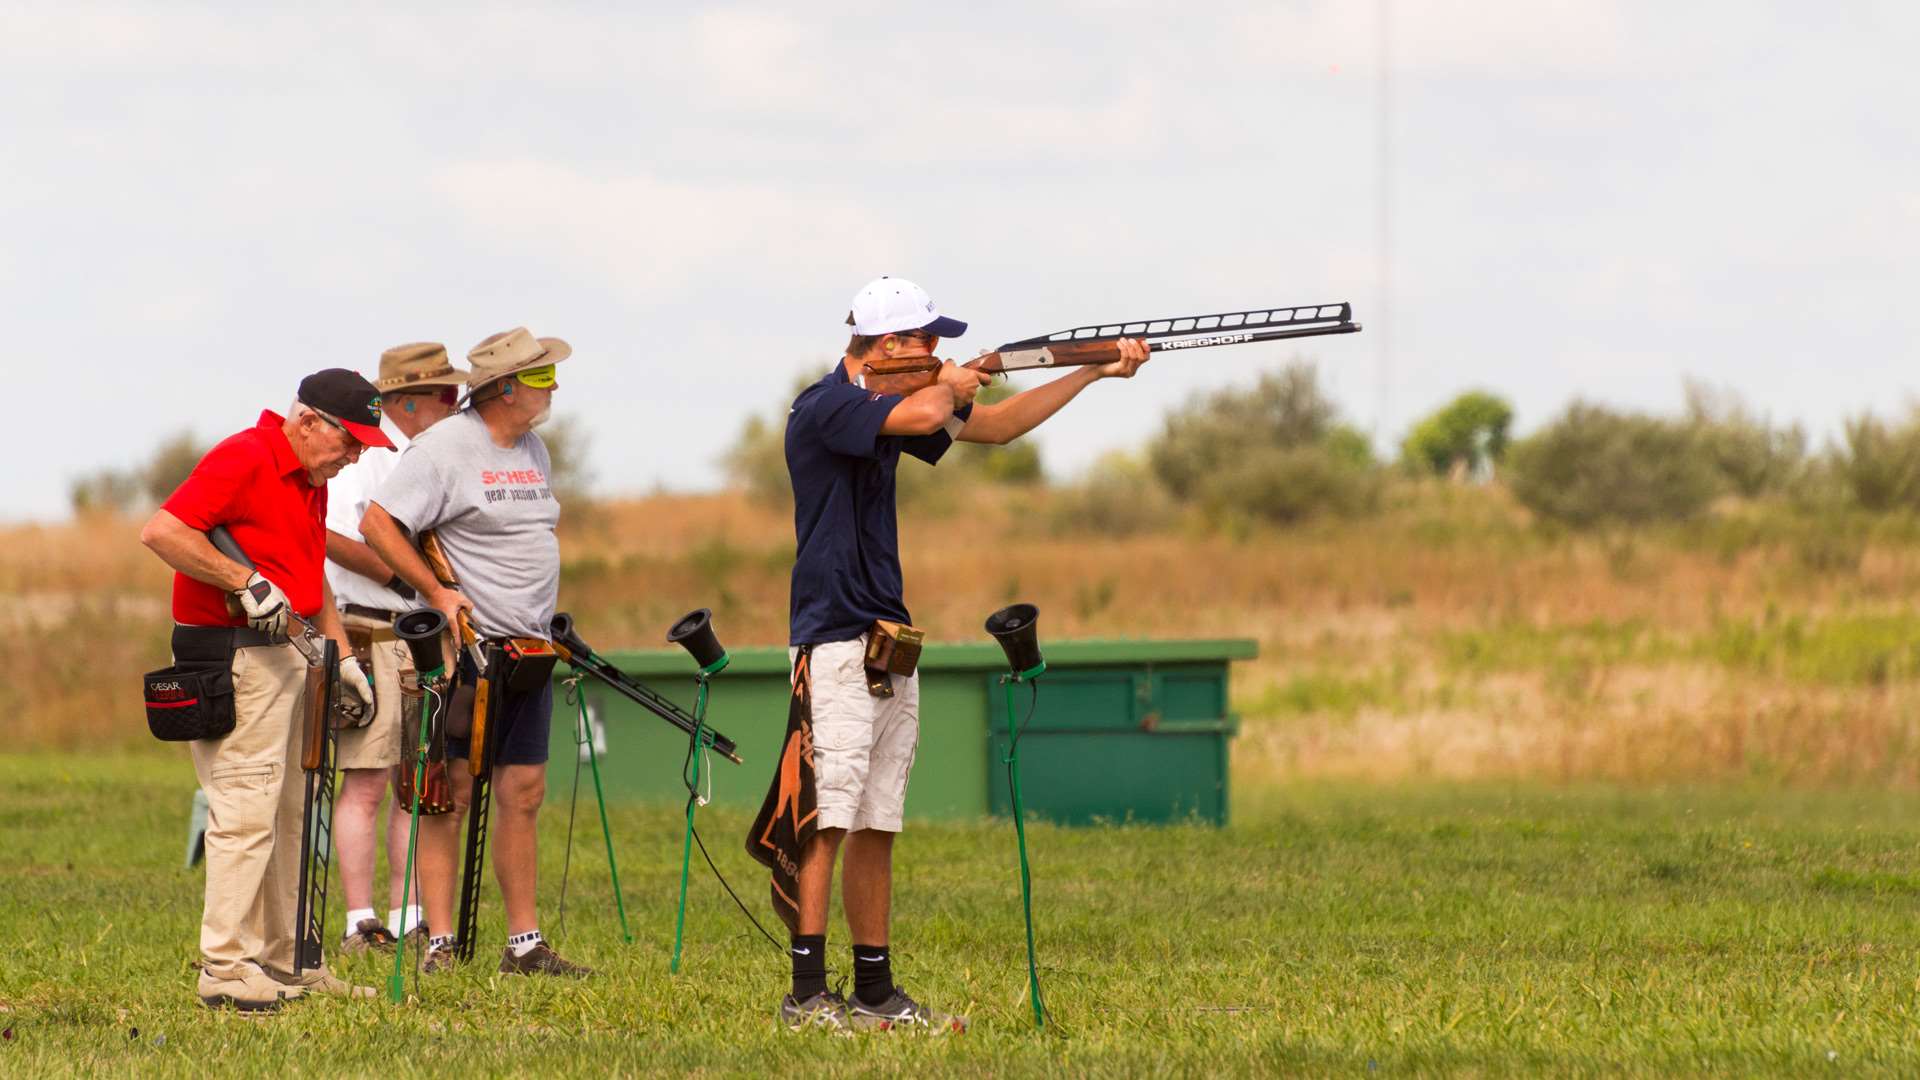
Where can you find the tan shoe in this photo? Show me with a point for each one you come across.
(322, 981)
(255, 992)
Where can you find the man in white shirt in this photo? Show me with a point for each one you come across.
(418, 388)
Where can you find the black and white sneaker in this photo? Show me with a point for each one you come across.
(825, 1009)
(901, 1011)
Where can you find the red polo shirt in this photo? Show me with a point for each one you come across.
(253, 484)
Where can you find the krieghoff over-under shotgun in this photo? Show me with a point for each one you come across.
(1100, 342)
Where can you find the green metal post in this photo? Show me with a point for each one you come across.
(599, 796)
(397, 985)
(700, 740)
(1020, 830)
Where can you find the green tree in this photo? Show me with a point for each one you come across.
(1470, 430)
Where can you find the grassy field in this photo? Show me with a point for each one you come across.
(1476, 928)
(1508, 800)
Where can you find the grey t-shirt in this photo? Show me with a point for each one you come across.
(494, 514)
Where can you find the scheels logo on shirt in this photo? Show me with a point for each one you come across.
(512, 476)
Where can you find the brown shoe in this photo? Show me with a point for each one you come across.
(439, 959)
(370, 935)
(540, 960)
(255, 992)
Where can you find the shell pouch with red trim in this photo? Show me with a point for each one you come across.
(190, 701)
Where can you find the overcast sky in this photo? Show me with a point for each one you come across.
(200, 205)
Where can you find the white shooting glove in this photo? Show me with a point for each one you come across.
(264, 604)
(357, 700)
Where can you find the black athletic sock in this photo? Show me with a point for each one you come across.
(809, 952)
(872, 974)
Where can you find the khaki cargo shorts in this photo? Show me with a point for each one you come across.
(862, 745)
(377, 745)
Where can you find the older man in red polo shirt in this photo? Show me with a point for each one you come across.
(267, 485)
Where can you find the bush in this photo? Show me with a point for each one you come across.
(1289, 484)
(148, 484)
(1469, 431)
(1594, 466)
(1284, 411)
(1118, 497)
(1751, 456)
(108, 491)
(1877, 465)
(1275, 453)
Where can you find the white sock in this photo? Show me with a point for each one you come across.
(522, 944)
(353, 920)
(414, 918)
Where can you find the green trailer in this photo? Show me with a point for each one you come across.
(1124, 731)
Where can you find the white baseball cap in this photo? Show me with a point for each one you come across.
(891, 305)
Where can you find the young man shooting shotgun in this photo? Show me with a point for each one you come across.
(479, 480)
(854, 720)
(418, 387)
(267, 486)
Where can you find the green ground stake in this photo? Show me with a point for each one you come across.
(397, 985)
(599, 796)
(700, 742)
(1012, 761)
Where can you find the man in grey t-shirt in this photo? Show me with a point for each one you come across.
(479, 480)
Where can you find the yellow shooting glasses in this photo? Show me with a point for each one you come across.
(540, 378)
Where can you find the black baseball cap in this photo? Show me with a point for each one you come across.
(349, 398)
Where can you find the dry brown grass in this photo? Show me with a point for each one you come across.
(1595, 671)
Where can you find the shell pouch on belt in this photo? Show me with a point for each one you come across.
(892, 649)
(190, 700)
(529, 664)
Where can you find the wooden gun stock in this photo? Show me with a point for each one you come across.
(322, 685)
(477, 735)
(442, 567)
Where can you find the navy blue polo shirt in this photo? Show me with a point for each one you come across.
(846, 567)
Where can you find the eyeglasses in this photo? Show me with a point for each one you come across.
(353, 441)
(540, 378)
(446, 395)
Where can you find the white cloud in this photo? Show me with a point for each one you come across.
(650, 235)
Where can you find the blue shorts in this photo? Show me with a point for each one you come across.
(523, 726)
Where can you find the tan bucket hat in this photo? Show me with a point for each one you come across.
(410, 367)
(510, 352)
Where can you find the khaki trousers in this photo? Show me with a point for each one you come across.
(256, 793)
(377, 745)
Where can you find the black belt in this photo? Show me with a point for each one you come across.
(366, 612)
(218, 642)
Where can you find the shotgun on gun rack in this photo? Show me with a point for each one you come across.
(1100, 342)
(486, 660)
(322, 718)
(581, 657)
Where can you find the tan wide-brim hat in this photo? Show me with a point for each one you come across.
(416, 366)
(510, 352)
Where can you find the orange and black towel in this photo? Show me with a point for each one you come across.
(791, 812)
